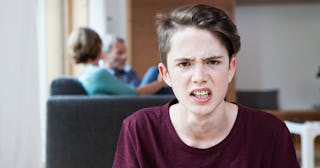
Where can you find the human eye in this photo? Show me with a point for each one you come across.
(183, 64)
(213, 62)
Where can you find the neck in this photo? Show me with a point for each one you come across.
(208, 126)
(204, 131)
(94, 62)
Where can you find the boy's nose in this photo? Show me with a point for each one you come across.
(199, 75)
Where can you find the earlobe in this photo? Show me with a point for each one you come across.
(164, 73)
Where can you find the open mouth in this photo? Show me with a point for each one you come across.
(201, 94)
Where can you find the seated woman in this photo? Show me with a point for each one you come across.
(85, 47)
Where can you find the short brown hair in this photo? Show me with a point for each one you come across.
(84, 44)
(200, 16)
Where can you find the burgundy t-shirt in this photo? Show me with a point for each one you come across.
(257, 140)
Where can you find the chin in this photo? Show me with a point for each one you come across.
(199, 109)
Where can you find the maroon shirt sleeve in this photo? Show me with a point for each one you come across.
(284, 154)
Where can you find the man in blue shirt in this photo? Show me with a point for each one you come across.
(115, 58)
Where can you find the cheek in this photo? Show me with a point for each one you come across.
(226, 76)
(176, 78)
(221, 78)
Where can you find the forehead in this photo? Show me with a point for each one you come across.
(118, 45)
(193, 42)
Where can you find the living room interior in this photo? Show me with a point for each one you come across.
(279, 52)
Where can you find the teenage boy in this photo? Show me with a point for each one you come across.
(198, 46)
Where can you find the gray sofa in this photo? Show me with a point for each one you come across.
(82, 130)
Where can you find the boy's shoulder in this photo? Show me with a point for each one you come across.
(260, 118)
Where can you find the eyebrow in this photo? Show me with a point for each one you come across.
(191, 59)
(213, 57)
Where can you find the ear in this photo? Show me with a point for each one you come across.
(232, 68)
(164, 73)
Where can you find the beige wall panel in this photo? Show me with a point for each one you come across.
(79, 19)
(54, 41)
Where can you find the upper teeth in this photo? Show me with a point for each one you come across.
(200, 93)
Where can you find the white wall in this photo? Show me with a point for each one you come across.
(98, 17)
(281, 49)
(117, 17)
(20, 142)
(108, 17)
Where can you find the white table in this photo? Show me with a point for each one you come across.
(308, 131)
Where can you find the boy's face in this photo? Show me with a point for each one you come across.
(198, 70)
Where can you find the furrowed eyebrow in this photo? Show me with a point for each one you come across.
(213, 58)
(183, 59)
(192, 59)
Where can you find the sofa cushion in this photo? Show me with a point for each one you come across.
(66, 86)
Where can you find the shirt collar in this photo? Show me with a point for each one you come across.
(126, 69)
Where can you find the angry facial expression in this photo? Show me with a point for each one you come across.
(198, 70)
